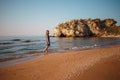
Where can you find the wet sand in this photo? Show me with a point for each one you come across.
(93, 64)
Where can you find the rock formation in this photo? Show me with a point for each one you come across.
(84, 28)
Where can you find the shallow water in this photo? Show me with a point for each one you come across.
(17, 47)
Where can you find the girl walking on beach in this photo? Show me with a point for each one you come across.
(47, 42)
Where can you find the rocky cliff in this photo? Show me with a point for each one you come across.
(86, 28)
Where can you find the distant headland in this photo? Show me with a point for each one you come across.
(88, 28)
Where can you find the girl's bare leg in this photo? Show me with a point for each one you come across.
(45, 50)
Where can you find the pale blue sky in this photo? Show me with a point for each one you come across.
(33, 17)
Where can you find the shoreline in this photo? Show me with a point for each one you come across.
(20, 49)
(71, 65)
(52, 51)
(14, 61)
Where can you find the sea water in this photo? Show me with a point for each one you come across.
(12, 47)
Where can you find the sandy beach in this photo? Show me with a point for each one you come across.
(93, 64)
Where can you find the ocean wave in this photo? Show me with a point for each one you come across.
(6, 43)
(16, 40)
(83, 47)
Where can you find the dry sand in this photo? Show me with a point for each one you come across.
(94, 64)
